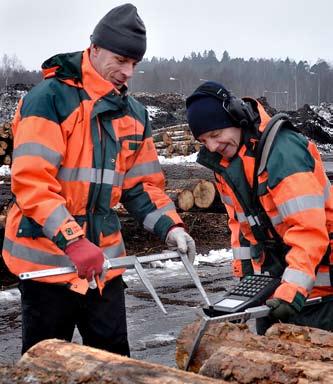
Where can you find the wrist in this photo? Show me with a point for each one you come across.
(73, 241)
(68, 233)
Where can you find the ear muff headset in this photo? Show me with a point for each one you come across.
(240, 112)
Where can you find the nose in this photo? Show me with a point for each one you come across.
(128, 70)
(211, 145)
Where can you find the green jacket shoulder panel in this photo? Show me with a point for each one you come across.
(67, 65)
(52, 100)
(289, 155)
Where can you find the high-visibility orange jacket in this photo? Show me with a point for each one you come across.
(80, 147)
(297, 198)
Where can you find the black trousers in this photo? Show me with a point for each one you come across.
(52, 311)
(316, 315)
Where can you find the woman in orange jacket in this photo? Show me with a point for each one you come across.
(280, 216)
(82, 145)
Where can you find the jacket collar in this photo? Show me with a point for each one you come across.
(93, 82)
(75, 69)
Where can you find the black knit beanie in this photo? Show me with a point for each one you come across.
(121, 31)
(205, 112)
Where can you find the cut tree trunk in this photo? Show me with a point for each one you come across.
(187, 171)
(166, 138)
(204, 194)
(237, 335)
(306, 336)
(56, 361)
(6, 143)
(243, 366)
(185, 200)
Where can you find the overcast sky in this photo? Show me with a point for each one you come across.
(299, 29)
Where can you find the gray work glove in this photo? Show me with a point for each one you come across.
(179, 240)
(281, 310)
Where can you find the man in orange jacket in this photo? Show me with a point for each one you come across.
(82, 145)
(280, 215)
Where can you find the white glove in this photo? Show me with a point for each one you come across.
(179, 240)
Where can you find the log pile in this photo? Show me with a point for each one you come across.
(56, 361)
(191, 187)
(6, 143)
(176, 140)
(229, 353)
(286, 354)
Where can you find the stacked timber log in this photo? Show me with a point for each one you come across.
(191, 187)
(6, 143)
(286, 354)
(55, 361)
(228, 353)
(176, 140)
(6, 148)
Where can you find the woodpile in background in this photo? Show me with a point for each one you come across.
(286, 354)
(175, 141)
(6, 149)
(6, 143)
(191, 187)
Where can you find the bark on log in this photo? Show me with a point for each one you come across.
(204, 194)
(306, 336)
(185, 200)
(243, 366)
(6, 143)
(236, 335)
(166, 138)
(187, 171)
(180, 184)
(56, 361)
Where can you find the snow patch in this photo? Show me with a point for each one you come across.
(152, 111)
(10, 295)
(178, 159)
(4, 170)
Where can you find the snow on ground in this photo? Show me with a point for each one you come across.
(4, 170)
(10, 295)
(153, 111)
(214, 257)
(178, 159)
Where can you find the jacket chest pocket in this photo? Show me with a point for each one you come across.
(129, 150)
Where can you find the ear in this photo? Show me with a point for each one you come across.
(94, 49)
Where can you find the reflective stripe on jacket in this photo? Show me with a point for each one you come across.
(296, 195)
(80, 147)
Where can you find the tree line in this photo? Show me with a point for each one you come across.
(286, 84)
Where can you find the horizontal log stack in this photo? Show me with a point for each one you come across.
(6, 143)
(286, 354)
(191, 187)
(175, 141)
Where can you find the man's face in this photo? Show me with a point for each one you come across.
(224, 141)
(112, 67)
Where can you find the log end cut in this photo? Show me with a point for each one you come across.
(204, 194)
(185, 200)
